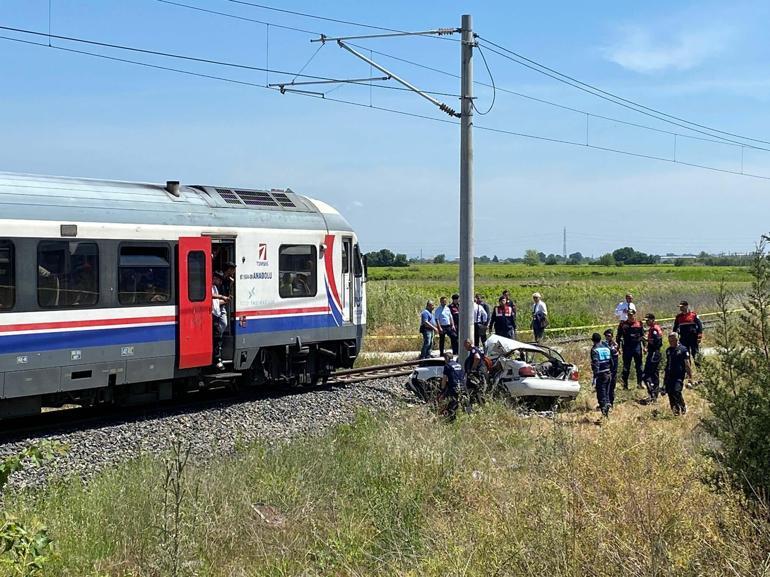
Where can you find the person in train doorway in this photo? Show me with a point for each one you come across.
(480, 321)
(677, 368)
(228, 290)
(503, 319)
(609, 342)
(631, 342)
(446, 325)
(539, 316)
(454, 308)
(690, 330)
(601, 366)
(651, 374)
(452, 381)
(219, 316)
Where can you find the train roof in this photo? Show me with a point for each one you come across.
(33, 197)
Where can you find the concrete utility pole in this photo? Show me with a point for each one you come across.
(564, 247)
(466, 184)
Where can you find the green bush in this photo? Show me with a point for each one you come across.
(738, 389)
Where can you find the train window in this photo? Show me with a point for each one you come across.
(144, 275)
(196, 276)
(67, 274)
(345, 257)
(7, 279)
(297, 266)
(358, 263)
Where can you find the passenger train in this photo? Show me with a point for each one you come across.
(105, 289)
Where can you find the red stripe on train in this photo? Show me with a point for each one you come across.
(86, 323)
(274, 312)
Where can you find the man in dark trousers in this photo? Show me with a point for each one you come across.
(473, 365)
(631, 342)
(613, 346)
(677, 367)
(454, 308)
(690, 329)
(601, 366)
(651, 376)
(451, 383)
(503, 319)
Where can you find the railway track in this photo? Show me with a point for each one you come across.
(350, 376)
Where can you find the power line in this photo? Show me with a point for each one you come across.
(609, 96)
(323, 97)
(328, 19)
(619, 151)
(714, 139)
(237, 17)
(184, 57)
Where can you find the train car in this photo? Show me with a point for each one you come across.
(106, 290)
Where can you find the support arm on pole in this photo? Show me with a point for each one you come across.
(445, 108)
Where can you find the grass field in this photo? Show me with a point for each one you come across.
(493, 494)
(575, 295)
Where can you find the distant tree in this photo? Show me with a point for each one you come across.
(484, 259)
(531, 257)
(439, 259)
(551, 259)
(606, 260)
(495, 259)
(575, 258)
(541, 256)
(385, 257)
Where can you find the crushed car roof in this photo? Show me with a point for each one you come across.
(500, 346)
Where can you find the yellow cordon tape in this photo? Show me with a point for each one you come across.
(561, 329)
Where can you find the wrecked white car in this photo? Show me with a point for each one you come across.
(518, 370)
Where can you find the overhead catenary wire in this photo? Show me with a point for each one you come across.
(557, 104)
(183, 57)
(329, 19)
(450, 74)
(619, 100)
(324, 97)
(236, 16)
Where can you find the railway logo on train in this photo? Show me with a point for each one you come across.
(133, 276)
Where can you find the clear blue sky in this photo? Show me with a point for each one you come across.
(396, 178)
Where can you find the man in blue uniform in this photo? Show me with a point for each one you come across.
(609, 341)
(601, 366)
(451, 383)
(473, 376)
(631, 341)
(677, 367)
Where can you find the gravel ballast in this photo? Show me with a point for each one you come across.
(211, 430)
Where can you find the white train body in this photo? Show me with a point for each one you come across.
(105, 289)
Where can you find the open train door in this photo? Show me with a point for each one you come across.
(194, 319)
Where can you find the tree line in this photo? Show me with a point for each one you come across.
(533, 257)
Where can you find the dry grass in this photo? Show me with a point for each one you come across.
(492, 494)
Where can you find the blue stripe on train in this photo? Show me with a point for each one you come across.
(83, 339)
(276, 324)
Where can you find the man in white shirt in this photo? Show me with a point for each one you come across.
(539, 316)
(621, 311)
(446, 325)
(480, 320)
